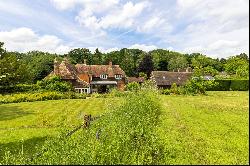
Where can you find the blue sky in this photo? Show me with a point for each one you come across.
(217, 28)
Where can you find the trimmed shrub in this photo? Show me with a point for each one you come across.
(239, 85)
(221, 85)
(227, 85)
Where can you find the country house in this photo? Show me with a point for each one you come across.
(90, 78)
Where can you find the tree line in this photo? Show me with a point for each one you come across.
(16, 67)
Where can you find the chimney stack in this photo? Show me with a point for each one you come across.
(56, 67)
(110, 63)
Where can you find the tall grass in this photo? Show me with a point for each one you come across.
(126, 135)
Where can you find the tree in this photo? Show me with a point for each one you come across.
(209, 70)
(39, 64)
(12, 71)
(2, 50)
(146, 65)
(243, 71)
(177, 63)
(233, 63)
(243, 56)
(78, 55)
(161, 58)
(97, 57)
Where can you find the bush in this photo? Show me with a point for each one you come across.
(198, 86)
(166, 91)
(132, 86)
(55, 84)
(116, 93)
(39, 96)
(175, 90)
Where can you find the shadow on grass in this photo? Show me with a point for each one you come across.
(11, 112)
(28, 146)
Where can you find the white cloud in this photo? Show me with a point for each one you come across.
(217, 28)
(99, 5)
(119, 16)
(25, 39)
(143, 47)
(64, 4)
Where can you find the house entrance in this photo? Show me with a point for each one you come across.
(102, 89)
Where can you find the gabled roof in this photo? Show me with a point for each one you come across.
(67, 70)
(97, 70)
(164, 78)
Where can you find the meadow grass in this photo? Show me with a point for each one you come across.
(212, 129)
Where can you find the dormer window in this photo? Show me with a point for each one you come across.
(104, 76)
(118, 76)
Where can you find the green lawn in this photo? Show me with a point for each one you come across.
(211, 129)
(29, 123)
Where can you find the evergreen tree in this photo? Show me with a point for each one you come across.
(146, 65)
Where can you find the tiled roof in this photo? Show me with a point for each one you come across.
(135, 79)
(97, 70)
(168, 78)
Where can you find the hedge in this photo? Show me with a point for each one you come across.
(227, 85)
(39, 96)
(239, 85)
(19, 88)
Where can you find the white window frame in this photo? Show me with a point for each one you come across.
(118, 76)
(104, 76)
(83, 90)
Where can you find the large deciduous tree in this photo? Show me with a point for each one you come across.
(78, 55)
(237, 65)
(177, 63)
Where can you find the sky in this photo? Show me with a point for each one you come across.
(216, 28)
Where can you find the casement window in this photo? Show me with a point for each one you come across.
(118, 76)
(104, 76)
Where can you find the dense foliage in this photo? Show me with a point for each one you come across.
(55, 84)
(132, 86)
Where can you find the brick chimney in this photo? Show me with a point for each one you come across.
(56, 67)
(85, 61)
(110, 63)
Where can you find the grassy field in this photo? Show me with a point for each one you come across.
(29, 123)
(211, 129)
